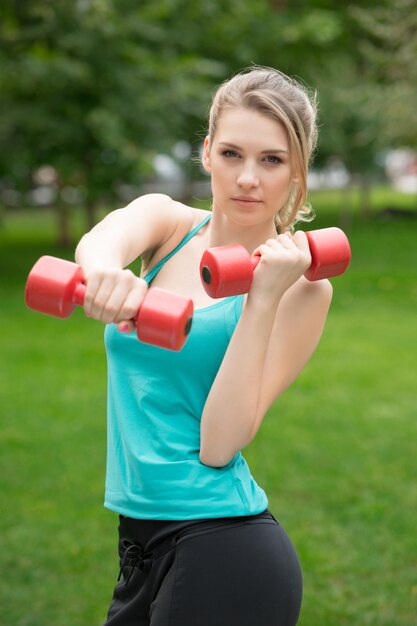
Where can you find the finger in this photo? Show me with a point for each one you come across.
(111, 311)
(133, 301)
(286, 241)
(301, 241)
(101, 298)
(126, 326)
(124, 300)
(92, 287)
(271, 244)
(262, 250)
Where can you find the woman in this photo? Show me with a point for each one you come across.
(197, 543)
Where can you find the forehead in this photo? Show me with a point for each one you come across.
(248, 128)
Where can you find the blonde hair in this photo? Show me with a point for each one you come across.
(288, 102)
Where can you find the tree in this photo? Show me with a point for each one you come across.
(96, 88)
(389, 46)
(85, 92)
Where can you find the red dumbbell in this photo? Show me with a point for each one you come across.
(228, 270)
(55, 286)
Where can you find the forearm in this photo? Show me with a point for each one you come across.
(230, 411)
(103, 249)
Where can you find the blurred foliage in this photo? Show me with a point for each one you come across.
(95, 88)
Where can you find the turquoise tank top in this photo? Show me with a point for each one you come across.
(155, 402)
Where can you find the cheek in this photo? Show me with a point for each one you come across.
(288, 175)
(219, 174)
(278, 190)
(280, 182)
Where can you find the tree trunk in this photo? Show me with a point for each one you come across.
(365, 206)
(346, 208)
(90, 202)
(64, 236)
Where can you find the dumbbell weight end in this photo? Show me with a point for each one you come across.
(164, 319)
(226, 270)
(330, 253)
(55, 286)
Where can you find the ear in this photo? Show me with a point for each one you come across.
(206, 155)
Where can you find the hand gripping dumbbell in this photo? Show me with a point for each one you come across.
(55, 286)
(228, 270)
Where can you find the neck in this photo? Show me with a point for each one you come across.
(223, 232)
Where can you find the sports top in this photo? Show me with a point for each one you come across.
(155, 401)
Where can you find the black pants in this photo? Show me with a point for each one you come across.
(240, 571)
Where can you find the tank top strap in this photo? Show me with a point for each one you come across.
(151, 275)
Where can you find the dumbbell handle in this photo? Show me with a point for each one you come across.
(78, 296)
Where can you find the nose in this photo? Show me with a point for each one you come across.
(248, 178)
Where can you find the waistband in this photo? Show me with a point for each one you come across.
(150, 533)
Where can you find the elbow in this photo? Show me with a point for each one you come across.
(216, 460)
(219, 454)
(211, 462)
(217, 457)
(220, 446)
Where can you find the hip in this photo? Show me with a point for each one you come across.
(238, 571)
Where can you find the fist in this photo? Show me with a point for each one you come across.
(114, 296)
(283, 260)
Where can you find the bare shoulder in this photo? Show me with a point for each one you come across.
(161, 208)
(155, 210)
(147, 224)
(182, 218)
(171, 221)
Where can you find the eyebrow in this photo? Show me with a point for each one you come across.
(235, 147)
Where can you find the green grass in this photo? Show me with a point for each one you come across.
(336, 454)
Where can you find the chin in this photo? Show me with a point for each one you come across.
(241, 216)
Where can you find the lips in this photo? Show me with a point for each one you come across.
(247, 199)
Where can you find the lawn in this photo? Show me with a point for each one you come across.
(336, 454)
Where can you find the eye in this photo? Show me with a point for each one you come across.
(230, 154)
(272, 158)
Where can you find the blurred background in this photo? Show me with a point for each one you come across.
(101, 101)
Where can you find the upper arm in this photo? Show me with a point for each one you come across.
(297, 329)
(145, 224)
